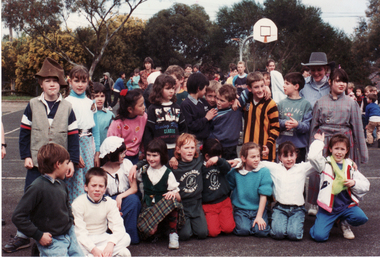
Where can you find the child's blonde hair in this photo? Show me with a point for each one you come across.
(241, 62)
(182, 140)
(351, 85)
(246, 147)
(214, 86)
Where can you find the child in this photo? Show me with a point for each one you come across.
(165, 118)
(266, 76)
(119, 188)
(161, 194)
(133, 82)
(130, 122)
(44, 212)
(240, 80)
(189, 176)
(216, 190)
(350, 88)
(250, 185)
(103, 117)
(93, 214)
(295, 114)
(47, 118)
(341, 188)
(372, 118)
(260, 116)
(188, 68)
(233, 72)
(224, 119)
(359, 95)
(89, 140)
(289, 179)
(211, 91)
(195, 108)
(177, 73)
(108, 85)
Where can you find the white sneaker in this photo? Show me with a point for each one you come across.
(124, 253)
(347, 232)
(173, 241)
(313, 210)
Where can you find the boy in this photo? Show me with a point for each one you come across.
(240, 80)
(195, 108)
(103, 117)
(189, 68)
(47, 119)
(211, 91)
(260, 117)
(295, 114)
(224, 119)
(93, 214)
(372, 118)
(44, 212)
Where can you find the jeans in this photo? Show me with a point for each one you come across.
(63, 245)
(325, 221)
(244, 221)
(287, 220)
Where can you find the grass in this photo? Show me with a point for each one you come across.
(14, 97)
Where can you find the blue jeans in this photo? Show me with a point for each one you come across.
(325, 221)
(63, 245)
(287, 220)
(244, 221)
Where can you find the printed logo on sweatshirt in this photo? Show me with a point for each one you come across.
(190, 179)
(168, 114)
(213, 176)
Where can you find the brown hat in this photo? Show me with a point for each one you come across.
(50, 68)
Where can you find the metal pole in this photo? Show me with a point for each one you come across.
(242, 45)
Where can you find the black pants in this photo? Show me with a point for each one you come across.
(116, 96)
(108, 100)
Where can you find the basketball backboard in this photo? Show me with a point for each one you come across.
(265, 31)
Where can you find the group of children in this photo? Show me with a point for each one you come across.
(176, 189)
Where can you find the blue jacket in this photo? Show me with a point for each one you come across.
(312, 93)
(372, 109)
(119, 85)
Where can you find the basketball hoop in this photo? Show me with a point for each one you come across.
(265, 31)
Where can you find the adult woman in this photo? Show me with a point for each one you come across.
(148, 63)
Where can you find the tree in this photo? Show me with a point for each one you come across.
(41, 19)
(177, 35)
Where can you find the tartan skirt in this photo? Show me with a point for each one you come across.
(151, 216)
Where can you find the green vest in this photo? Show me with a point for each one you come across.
(154, 191)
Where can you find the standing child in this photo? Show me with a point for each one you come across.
(189, 176)
(240, 80)
(251, 185)
(44, 211)
(130, 122)
(372, 119)
(161, 194)
(211, 91)
(216, 190)
(295, 114)
(89, 140)
(119, 187)
(103, 117)
(94, 214)
(165, 118)
(341, 188)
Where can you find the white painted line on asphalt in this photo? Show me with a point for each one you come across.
(376, 177)
(12, 131)
(11, 112)
(13, 178)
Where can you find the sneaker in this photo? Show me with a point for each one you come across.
(124, 253)
(173, 241)
(16, 244)
(347, 233)
(313, 210)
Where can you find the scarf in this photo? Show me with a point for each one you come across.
(338, 186)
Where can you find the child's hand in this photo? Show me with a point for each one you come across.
(97, 159)
(46, 239)
(71, 170)
(211, 114)
(96, 252)
(366, 127)
(28, 163)
(260, 222)
(290, 124)
(107, 252)
(236, 105)
(320, 137)
(233, 162)
(349, 182)
(169, 195)
(132, 173)
(212, 161)
(265, 151)
(81, 162)
(119, 200)
(173, 162)
(267, 93)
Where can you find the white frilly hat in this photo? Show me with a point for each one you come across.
(110, 144)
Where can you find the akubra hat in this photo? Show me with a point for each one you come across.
(50, 68)
(318, 58)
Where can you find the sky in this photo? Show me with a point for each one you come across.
(341, 14)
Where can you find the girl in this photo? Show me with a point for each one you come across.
(250, 185)
(216, 190)
(289, 179)
(130, 122)
(341, 188)
(161, 194)
(119, 188)
(165, 119)
(89, 139)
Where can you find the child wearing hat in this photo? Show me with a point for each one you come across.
(47, 118)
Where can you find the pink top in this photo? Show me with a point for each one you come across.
(132, 130)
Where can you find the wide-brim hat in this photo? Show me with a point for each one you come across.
(50, 68)
(319, 58)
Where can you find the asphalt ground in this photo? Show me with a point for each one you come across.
(366, 242)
